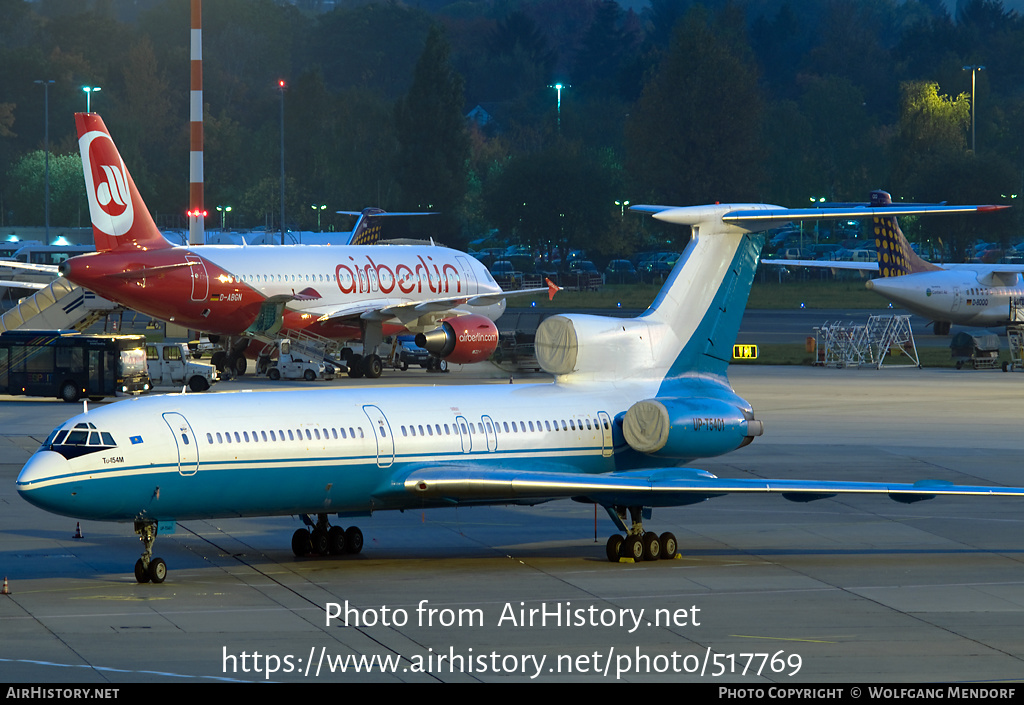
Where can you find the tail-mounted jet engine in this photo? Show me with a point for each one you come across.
(688, 428)
(461, 339)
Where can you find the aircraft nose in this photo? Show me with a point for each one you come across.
(39, 473)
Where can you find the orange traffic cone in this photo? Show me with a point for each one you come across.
(5, 591)
(78, 531)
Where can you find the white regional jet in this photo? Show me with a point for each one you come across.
(632, 399)
(978, 295)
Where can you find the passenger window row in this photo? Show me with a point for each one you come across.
(271, 436)
(508, 427)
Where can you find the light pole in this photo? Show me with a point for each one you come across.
(223, 210)
(319, 209)
(974, 69)
(281, 87)
(46, 149)
(89, 90)
(558, 101)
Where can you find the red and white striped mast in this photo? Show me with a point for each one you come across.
(196, 210)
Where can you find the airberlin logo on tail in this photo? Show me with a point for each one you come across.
(106, 183)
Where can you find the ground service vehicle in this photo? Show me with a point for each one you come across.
(171, 364)
(70, 365)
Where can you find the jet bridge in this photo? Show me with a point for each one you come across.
(869, 345)
(60, 305)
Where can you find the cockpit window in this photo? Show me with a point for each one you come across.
(83, 439)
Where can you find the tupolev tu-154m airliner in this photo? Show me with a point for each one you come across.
(632, 399)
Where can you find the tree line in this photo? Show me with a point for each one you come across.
(678, 103)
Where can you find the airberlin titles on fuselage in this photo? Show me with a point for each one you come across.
(237, 296)
(372, 277)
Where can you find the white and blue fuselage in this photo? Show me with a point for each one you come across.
(181, 456)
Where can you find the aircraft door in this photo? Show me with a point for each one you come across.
(465, 429)
(200, 279)
(607, 447)
(185, 440)
(490, 433)
(468, 275)
(956, 299)
(381, 430)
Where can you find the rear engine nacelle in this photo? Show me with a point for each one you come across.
(688, 428)
(461, 339)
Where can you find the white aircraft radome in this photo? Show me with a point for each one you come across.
(632, 399)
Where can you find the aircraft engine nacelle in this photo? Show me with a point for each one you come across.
(688, 428)
(461, 339)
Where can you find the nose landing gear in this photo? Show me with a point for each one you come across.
(147, 568)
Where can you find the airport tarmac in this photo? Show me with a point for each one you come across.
(847, 590)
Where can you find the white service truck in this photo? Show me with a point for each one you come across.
(171, 365)
(297, 366)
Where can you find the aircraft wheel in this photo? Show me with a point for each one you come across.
(241, 364)
(336, 541)
(652, 546)
(320, 542)
(353, 539)
(613, 548)
(274, 374)
(669, 547)
(302, 544)
(633, 547)
(442, 365)
(141, 576)
(372, 366)
(157, 570)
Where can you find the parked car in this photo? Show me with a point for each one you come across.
(506, 275)
(620, 271)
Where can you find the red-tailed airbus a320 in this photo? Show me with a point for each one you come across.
(346, 293)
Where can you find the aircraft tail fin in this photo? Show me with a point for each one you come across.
(691, 327)
(120, 219)
(369, 225)
(895, 255)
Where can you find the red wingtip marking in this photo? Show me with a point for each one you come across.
(552, 289)
(982, 209)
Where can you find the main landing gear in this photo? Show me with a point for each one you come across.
(325, 539)
(147, 568)
(370, 366)
(637, 544)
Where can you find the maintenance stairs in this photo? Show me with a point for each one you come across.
(869, 345)
(59, 306)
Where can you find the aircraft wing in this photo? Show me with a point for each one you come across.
(14, 284)
(823, 264)
(44, 268)
(408, 311)
(659, 488)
